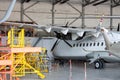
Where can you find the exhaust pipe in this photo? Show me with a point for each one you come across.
(8, 12)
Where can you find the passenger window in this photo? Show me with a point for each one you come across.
(73, 45)
(94, 44)
(90, 44)
(98, 44)
(76, 45)
(87, 44)
(102, 44)
(83, 44)
(80, 44)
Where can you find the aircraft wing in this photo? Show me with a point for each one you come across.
(59, 29)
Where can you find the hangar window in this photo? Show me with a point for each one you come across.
(90, 44)
(102, 44)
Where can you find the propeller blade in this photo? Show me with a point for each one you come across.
(67, 43)
(56, 43)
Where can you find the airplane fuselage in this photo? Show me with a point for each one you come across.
(89, 47)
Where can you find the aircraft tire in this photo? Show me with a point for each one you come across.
(99, 64)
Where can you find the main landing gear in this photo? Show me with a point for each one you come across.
(99, 64)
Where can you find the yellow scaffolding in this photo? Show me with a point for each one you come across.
(13, 58)
(16, 38)
(38, 60)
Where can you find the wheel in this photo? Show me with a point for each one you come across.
(99, 64)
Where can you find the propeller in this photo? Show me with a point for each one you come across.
(67, 43)
(57, 42)
(58, 35)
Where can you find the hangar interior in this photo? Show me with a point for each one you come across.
(53, 12)
(59, 39)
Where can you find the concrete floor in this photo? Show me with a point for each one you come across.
(111, 72)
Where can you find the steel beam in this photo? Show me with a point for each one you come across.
(91, 2)
(32, 5)
(74, 8)
(77, 11)
(21, 11)
(111, 14)
(100, 2)
(83, 14)
(53, 12)
(115, 5)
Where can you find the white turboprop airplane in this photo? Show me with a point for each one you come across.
(74, 43)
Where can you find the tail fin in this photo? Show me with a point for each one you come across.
(106, 37)
(105, 33)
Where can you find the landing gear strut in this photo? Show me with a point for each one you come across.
(99, 64)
